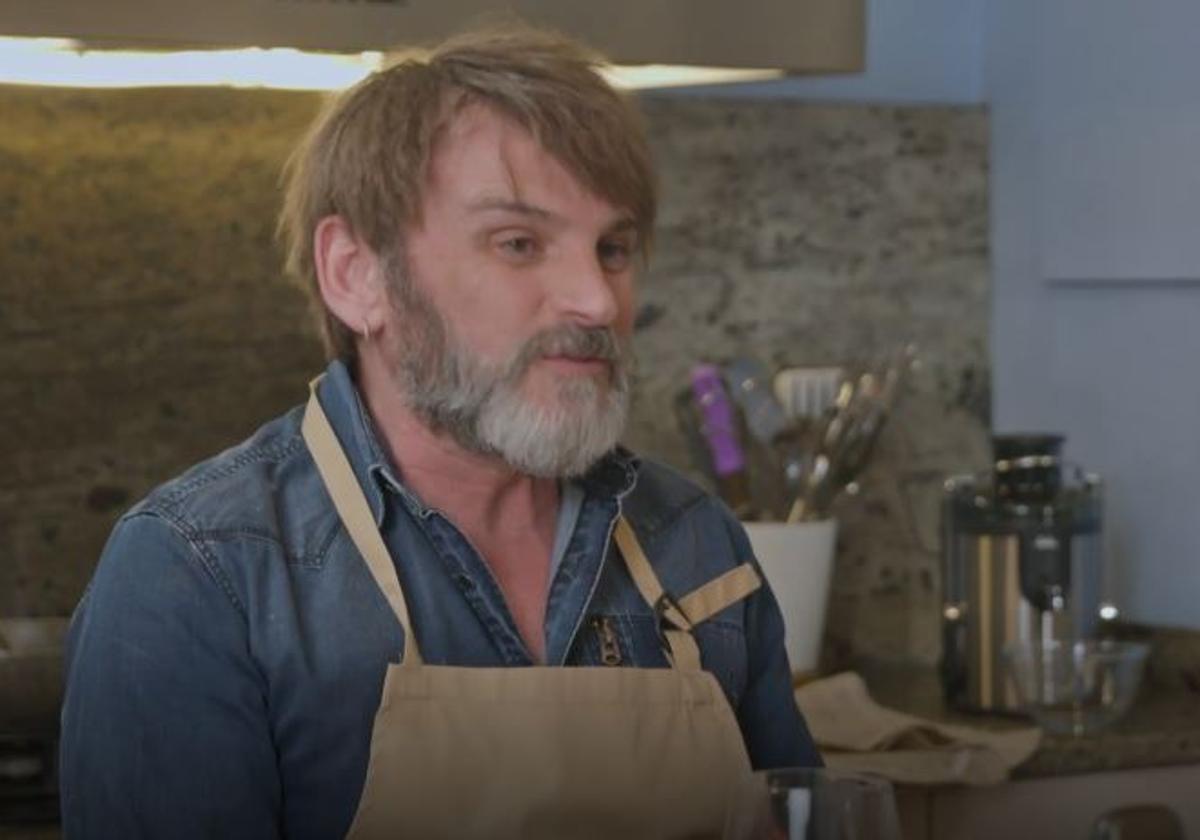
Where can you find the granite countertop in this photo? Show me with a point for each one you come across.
(1162, 728)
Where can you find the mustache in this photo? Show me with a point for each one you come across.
(573, 343)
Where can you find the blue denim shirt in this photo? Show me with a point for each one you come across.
(226, 662)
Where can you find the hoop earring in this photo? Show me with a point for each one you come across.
(366, 330)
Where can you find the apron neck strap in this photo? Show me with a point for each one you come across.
(352, 507)
(356, 516)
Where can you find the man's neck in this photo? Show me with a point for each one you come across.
(489, 500)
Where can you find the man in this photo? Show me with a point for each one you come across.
(356, 620)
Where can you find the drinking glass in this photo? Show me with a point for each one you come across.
(823, 804)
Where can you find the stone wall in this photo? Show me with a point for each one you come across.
(145, 323)
(822, 234)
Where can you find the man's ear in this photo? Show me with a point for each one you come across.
(349, 275)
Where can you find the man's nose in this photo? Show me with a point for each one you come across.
(584, 292)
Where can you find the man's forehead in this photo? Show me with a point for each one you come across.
(466, 120)
(485, 159)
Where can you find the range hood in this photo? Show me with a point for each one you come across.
(800, 36)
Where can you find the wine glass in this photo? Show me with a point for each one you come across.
(819, 804)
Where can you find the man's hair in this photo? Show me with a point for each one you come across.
(366, 156)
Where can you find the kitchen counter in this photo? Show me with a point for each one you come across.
(1162, 728)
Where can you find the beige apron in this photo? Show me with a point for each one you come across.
(545, 752)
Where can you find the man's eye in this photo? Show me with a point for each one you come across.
(614, 254)
(520, 246)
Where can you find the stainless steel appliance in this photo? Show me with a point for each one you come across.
(1021, 561)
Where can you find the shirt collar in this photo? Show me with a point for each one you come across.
(613, 476)
(340, 398)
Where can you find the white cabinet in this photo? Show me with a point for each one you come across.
(1096, 267)
(1119, 144)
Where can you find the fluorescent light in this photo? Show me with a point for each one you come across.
(61, 62)
(54, 61)
(672, 75)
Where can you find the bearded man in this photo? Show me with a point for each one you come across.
(439, 599)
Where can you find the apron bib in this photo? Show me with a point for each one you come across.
(546, 752)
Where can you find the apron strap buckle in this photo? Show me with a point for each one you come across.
(668, 610)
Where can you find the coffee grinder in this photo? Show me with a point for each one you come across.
(1021, 561)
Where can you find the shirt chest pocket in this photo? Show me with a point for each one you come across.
(635, 640)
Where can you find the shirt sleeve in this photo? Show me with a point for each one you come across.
(772, 726)
(164, 723)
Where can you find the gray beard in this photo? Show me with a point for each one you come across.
(480, 406)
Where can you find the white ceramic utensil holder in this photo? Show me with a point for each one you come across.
(797, 561)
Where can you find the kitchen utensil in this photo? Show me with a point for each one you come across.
(690, 421)
(847, 440)
(1075, 688)
(822, 439)
(806, 392)
(719, 427)
(778, 459)
(749, 386)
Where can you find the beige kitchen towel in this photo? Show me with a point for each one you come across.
(856, 733)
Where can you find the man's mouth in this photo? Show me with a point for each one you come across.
(578, 364)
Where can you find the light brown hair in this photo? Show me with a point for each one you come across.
(366, 156)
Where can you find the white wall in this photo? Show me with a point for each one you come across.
(917, 51)
(1096, 266)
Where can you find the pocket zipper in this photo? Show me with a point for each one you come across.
(610, 647)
